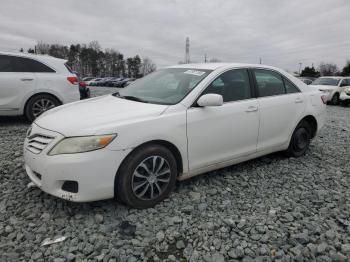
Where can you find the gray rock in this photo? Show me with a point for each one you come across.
(195, 196)
(160, 236)
(321, 248)
(180, 244)
(236, 253)
(98, 218)
(202, 206)
(345, 248)
(217, 257)
(338, 257)
(59, 259)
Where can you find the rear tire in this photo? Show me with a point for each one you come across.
(300, 140)
(146, 177)
(335, 99)
(39, 104)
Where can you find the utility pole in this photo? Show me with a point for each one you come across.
(205, 58)
(300, 67)
(260, 60)
(187, 55)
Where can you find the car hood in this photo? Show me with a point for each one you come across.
(100, 115)
(324, 87)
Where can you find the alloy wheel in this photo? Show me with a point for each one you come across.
(300, 141)
(42, 105)
(151, 178)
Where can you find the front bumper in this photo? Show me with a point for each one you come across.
(94, 172)
(344, 96)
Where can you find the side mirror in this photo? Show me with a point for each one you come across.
(210, 100)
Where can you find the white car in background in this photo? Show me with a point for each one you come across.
(32, 84)
(332, 86)
(175, 123)
(345, 92)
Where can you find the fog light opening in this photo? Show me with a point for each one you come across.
(70, 186)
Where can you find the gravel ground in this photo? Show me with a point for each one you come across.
(268, 209)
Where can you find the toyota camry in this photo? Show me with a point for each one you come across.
(173, 124)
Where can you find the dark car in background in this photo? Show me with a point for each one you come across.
(125, 82)
(307, 80)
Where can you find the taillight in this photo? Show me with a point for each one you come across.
(82, 84)
(324, 99)
(73, 80)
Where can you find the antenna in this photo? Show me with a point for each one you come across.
(187, 55)
(205, 58)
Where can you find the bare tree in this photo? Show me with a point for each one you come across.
(214, 60)
(147, 66)
(42, 48)
(95, 45)
(327, 69)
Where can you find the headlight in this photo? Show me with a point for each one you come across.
(81, 144)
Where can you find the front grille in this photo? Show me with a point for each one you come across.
(38, 142)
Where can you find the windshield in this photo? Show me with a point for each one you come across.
(326, 81)
(167, 86)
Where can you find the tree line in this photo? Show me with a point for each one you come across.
(326, 69)
(91, 60)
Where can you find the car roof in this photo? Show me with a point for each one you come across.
(35, 56)
(335, 77)
(56, 63)
(214, 66)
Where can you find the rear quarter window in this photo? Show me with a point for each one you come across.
(23, 65)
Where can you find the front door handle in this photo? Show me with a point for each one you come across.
(252, 109)
(298, 100)
(27, 79)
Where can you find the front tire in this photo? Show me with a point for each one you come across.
(39, 104)
(300, 140)
(335, 99)
(146, 177)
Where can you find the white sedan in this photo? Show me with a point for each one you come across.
(175, 123)
(335, 88)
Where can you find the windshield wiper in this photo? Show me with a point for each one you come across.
(117, 94)
(133, 98)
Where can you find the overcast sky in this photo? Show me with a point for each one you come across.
(282, 33)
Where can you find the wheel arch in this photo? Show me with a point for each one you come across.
(312, 121)
(38, 94)
(170, 146)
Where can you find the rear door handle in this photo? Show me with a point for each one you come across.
(252, 109)
(27, 79)
(298, 100)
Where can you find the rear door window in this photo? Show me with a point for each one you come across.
(290, 87)
(269, 83)
(5, 63)
(22, 64)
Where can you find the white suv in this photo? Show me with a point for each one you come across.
(335, 87)
(345, 92)
(31, 84)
